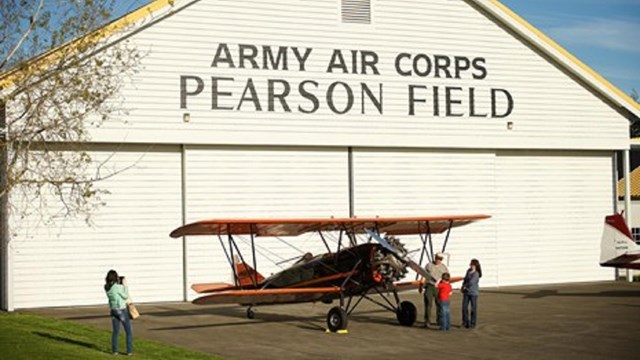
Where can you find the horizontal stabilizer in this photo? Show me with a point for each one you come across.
(211, 287)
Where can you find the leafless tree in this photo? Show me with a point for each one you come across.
(61, 73)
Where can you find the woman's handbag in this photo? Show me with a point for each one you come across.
(133, 311)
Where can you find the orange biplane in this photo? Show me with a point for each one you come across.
(351, 271)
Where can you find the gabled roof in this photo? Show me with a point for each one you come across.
(491, 8)
(635, 185)
(9, 77)
(559, 54)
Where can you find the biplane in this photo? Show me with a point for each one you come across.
(368, 259)
(618, 249)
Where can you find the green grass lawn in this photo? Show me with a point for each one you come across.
(25, 336)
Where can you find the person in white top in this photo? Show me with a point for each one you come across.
(435, 269)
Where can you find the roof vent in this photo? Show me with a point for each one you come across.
(356, 11)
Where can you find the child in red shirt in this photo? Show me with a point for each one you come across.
(444, 294)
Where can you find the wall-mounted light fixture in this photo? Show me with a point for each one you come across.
(509, 125)
(186, 117)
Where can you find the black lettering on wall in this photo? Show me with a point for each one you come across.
(412, 98)
(223, 56)
(442, 63)
(183, 89)
(269, 62)
(472, 104)
(419, 68)
(302, 58)
(337, 62)
(309, 96)
(436, 101)
(494, 103)
(369, 60)
(248, 53)
(281, 96)
(479, 66)
(450, 101)
(377, 102)
(330, 97)
(461, 64)
(215, 93)
(249, 87)
(398, 65)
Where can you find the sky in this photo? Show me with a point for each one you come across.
(604, 34)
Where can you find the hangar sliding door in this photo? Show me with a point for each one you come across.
(64, 263)
(550, 217)
(260, 182)
(429, 182)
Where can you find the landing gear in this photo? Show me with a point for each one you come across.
(406, 313)
(337, 319)
(250, 313)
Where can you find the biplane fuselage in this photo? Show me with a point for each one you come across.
(353, 270)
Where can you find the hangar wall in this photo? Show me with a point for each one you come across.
(543, 172)
(551, 110)
(260, 182)
(550, 210)
(64, 262)
(545, 225)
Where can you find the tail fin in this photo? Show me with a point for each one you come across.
(246, 274)
(617, 247)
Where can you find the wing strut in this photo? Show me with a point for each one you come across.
(253, 255)
(324, 241)
(444, 246)
(233, 268)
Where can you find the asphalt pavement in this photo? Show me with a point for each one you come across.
(586, 321)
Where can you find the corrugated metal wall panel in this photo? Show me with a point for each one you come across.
(550, 216)
(65, 263)
(551, 110)
(260, 182)
(415, 182)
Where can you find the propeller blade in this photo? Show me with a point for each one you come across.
(385, 244)
(417, 268)
(412, 264)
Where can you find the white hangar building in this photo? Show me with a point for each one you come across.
(319, 108)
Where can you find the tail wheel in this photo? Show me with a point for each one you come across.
(250, 314)
(337, 319)
(406, 313)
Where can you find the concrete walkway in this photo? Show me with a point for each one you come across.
(586, 321)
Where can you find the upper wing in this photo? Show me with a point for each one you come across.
(295, 227)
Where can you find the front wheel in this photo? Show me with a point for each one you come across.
(337, 319)
(406, 313)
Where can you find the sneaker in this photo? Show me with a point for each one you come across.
(115, 353)
(129, 354)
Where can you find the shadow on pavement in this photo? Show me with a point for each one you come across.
(545, 293)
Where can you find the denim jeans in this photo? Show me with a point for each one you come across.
(445, 310)
(121, 316)
(466, 301)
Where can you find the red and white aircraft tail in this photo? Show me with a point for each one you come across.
(617, 248)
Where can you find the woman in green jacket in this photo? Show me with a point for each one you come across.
(117, 292)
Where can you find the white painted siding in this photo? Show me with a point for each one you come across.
(551, 110)
(550, 213)
(260, 182)
(413, 182)
(65, 263)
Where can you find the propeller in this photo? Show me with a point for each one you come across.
(385, 244)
